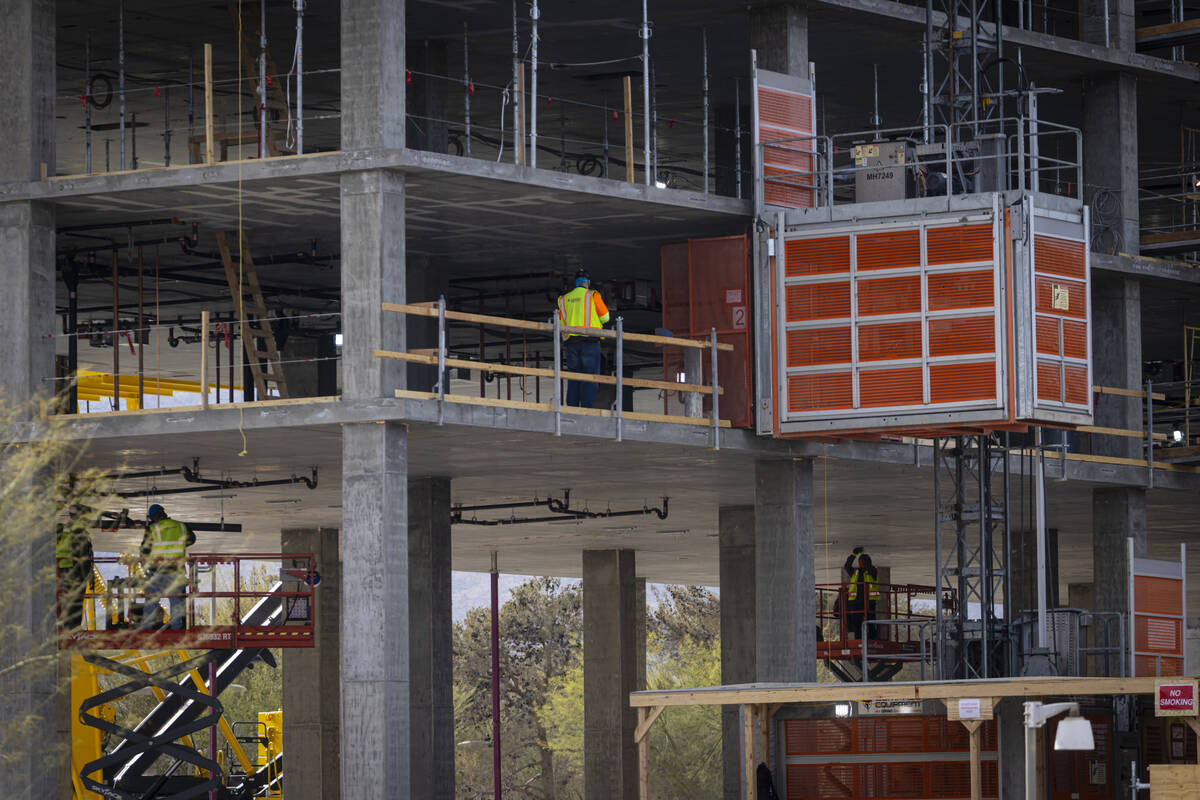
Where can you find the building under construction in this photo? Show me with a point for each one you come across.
(911, 276)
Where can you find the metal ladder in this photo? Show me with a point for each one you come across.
(259, 340)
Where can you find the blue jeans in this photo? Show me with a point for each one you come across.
(582, 355)
(166, 585)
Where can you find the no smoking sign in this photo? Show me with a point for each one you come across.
(1176, 700)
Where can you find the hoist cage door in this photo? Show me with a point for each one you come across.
(921, 321)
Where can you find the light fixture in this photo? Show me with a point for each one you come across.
(842, 710)
(337, 340)
(1177, 436)
(661, 185)
(1074, 733)
(681, 377)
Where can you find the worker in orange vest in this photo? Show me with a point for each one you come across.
(582, 308)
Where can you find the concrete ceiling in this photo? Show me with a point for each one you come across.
(888, 508)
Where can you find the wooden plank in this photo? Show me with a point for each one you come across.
(764, 737)
(1128, 433)
(1150, 31)
(643, 746)
(524, 324)
(972, 727)
(208, 104)
(930, 690)
(1174, 781)
(644, 725)
(542, 372)
(1127, 392)
(749, 771)
(627, 90)
(523, 405)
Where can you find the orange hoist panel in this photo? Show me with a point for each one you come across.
(784, 122)
(953, 320)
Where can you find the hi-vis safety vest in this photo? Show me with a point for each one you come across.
(168, 543)
(863, 577)
(582, 308)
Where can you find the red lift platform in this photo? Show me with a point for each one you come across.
(226, 604)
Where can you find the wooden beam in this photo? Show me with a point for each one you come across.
(542, 372)
(208, 104)
(930, 690)
(1150, 31)
(645, 721)
(748, 738)
(764, 736)
(524, 405)
(421, 310)
(628, 92)
(643, 745)
(972, 726)
(1127, 392)
(1128, 433)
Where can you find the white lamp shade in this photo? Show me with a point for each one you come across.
(1074, 733)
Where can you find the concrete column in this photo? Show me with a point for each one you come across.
(1110, 170)
(611, 629)
(29, 768)
(375, 627)
(785, 601)
(373, 73)
(1118, 512)
(780, 34)
(1117, 360)
(1120, 16)
(736, 541)
(429, 124)
(1010, 715)
(431, 656)
(312, 686)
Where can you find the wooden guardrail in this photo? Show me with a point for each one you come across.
(438, 357)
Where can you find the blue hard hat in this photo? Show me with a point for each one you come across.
(155, 510)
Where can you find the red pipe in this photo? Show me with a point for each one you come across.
(495, 678)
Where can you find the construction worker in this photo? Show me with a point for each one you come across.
(164, 552)
(582, 308)
(862, 593)
(73, 551)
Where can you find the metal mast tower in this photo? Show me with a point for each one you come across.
(971, 535)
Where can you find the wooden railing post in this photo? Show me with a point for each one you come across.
(441, 356)
(716, 395)
(557, 376)
(620, 359)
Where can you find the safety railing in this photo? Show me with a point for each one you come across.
(1080, 643)
(934, 161)
(248, 600)
(441, 359)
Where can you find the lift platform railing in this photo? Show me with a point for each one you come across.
(219, 591)
(935, 161)
(443, 361)
(838, 616)
(1081, 643)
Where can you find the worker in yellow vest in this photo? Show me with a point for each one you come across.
(582, 308)
(164, 552)
(862, 593)
(73, 554)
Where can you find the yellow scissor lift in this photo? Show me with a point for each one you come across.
(257, 629)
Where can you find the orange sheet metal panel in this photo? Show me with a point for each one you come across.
(962, 336)
(890, 387)
(960, 244)
(901, 295)
(958, 383)
(811, 301)
(889, 341)
(829, 390)
(889, 250)
(706, 285)
(786, 116)
(818, 346)
(1049, 380)
(961, 290)
(816, 256)
(1152, 595)
(1059, 256)
(864, 758)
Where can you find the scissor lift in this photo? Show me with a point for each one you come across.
(231, 624)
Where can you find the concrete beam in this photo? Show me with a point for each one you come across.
(431, 649)
(1117, 360)
(376, 701)
(1146, 267)
(785, 604)
(610, 672)
(312, 687)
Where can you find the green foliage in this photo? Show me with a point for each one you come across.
(540, 635)
(38, 459)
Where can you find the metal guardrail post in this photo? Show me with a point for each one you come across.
(1149, 435)
(620, 359)
(557, 375)
(716, 394)
(441, 381)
